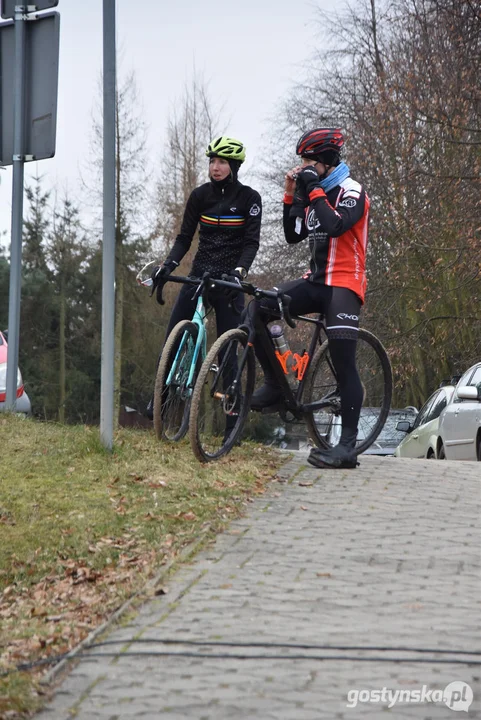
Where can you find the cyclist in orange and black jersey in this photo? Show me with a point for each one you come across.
(335, 222)
(324, 204)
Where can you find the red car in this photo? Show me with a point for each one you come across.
(23, 401)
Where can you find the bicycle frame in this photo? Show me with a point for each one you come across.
(199, 320)
(257, 330)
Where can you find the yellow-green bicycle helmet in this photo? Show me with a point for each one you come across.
(226, 147)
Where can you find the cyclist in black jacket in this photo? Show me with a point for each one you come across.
(228, 214)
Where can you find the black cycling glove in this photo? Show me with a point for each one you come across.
(159, 274)
(233, 276)
(299, 203)
(308, 180)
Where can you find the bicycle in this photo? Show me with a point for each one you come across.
(180, 361)
(226, 381)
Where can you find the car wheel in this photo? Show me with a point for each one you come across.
(430, 454)
(478, 447)
(441, 453)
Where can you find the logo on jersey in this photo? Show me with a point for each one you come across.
(348, 202)
(345, 316)
(255, 210)
(312, 222)
(232, 209)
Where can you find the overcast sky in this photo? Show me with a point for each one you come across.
(249, 53)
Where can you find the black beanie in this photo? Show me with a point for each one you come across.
(234, 166)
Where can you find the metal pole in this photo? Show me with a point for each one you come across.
(108, 256)
(17, 208)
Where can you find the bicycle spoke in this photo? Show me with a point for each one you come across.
(173, 393)
(376, 378)
(221, 397)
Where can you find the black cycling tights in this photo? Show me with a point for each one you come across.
(343, 355)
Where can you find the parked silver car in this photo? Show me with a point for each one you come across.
(460, 422)
(421, 439)
(389, 437)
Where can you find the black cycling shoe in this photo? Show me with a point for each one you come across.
(266, 396)
(326, 459)
(341, 456)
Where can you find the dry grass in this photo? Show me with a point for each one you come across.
(81, 530)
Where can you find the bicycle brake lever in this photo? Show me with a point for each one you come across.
(201, 286)
(283, 302)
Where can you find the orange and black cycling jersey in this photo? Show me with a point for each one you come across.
(336, 225)
(229, 221)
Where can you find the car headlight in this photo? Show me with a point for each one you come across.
(3, 377)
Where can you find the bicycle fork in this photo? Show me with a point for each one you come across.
(199, 320)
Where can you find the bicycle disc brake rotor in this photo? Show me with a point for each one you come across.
(230, 402)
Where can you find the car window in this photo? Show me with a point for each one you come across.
(437, 407)
(476, 379)
(389, 431)
(423, 413)
(468, 379)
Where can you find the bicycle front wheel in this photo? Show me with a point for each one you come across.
(173, 393)
(374, 368)
(222, 396)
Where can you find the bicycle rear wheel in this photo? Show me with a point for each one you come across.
(172, 394)
(374, 367)
(219, 406)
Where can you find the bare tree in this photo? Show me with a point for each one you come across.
(183, 165)
(183, 162)
(412, 124)
(67, 252)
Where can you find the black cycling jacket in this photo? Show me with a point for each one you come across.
(229, 220)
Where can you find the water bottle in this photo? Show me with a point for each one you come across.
(283, 351)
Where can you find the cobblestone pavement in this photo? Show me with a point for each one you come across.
(386, 556)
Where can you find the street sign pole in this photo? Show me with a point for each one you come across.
(17, 210)
(108, 252)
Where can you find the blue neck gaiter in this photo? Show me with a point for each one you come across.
(340, 173)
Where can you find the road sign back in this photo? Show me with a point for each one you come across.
(41, 69)
(8, 6)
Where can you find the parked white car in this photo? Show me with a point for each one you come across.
(421, 439)
(460, 423)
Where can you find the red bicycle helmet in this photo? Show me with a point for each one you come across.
(317, 141)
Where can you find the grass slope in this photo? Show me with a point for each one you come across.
(81, 530)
